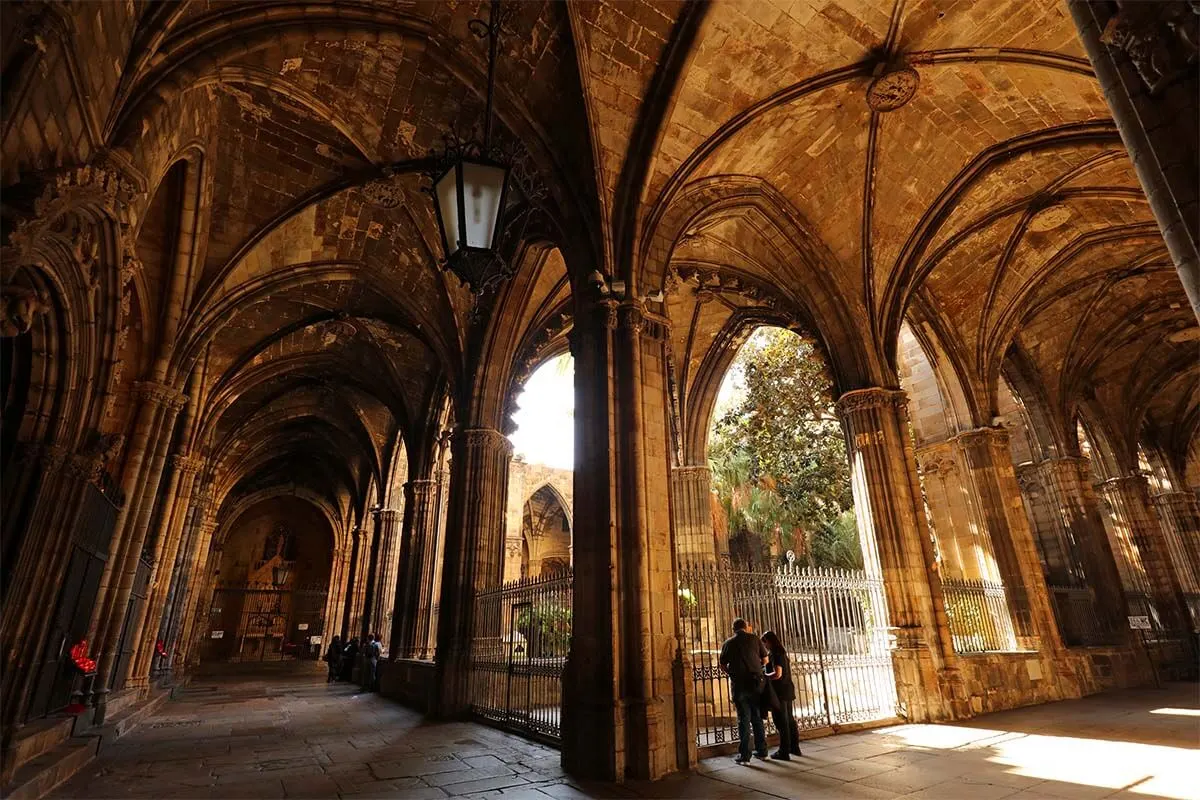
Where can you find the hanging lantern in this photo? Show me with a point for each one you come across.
(470, 187)
(279, 575)
(469, 201)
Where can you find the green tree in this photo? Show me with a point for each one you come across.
(777, 452)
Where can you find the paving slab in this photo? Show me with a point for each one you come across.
(284, 738)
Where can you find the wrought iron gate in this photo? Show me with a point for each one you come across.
(833, 623)
(522, 636)
(261, 622)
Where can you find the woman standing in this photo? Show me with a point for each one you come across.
(779, 670)
(333, 657)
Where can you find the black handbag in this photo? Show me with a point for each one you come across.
(768, 700)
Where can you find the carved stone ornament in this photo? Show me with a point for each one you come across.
(187, 465)
(872, 398)
(892, 89)
(19, 308)
(477, 438)
(984, 437)
(1160, 39)
(105, 451)
(384, 192)
(160, 394)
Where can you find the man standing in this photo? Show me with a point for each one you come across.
(371, 653)
(742, 658)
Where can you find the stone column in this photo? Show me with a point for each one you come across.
(439, 527)
(335, 598)
(625, 689)
(197, 575)
(897, 547)
(410, 618)
(1130, 499)
(388, 533)
(369, 568)
(953, 514)
(1143, 55)
(125, 572)
(994, 483)
(352, 579)
(474, 555)
(166, 545)
(691, 514)
(153, 397)
(1063, 505)
(1179, 515)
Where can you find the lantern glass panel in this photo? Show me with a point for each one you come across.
(446, 190)
(483, 189)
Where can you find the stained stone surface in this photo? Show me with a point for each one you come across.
(296, 737)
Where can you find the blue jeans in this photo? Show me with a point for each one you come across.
(749, 716)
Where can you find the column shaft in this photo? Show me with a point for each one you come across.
(352, 578)
(625, 690)
(691, 514)
(1179, 514)
(897, 547)
(166, 544)
(1130, 499)
(417, 552)
(1061, 497)
(171, 403)
(385, 582)
(994, 481)
(474, 554)
(195, 603)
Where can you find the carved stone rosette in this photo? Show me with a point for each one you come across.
(892, 89)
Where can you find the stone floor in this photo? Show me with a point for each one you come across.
(296, 737)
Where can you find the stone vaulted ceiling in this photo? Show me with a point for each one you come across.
(725, 152)
(997, 206)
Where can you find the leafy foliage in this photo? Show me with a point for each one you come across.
(777, 453)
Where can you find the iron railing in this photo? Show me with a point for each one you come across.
(522, 637)
(1075, 611)
(979, 618)
(833, 623)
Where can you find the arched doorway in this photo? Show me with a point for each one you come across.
(785, 550)
(545, 534)
(270, 598)
(522, 642)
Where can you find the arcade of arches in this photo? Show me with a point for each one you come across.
(231, 360)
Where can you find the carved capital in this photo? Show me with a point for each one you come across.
(418, 491)
(631, 316)
(1128, 483)
(870, 399)
(187, 464)
(984, 437)
(1159, 38)
(483, 438)
(159, 394)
